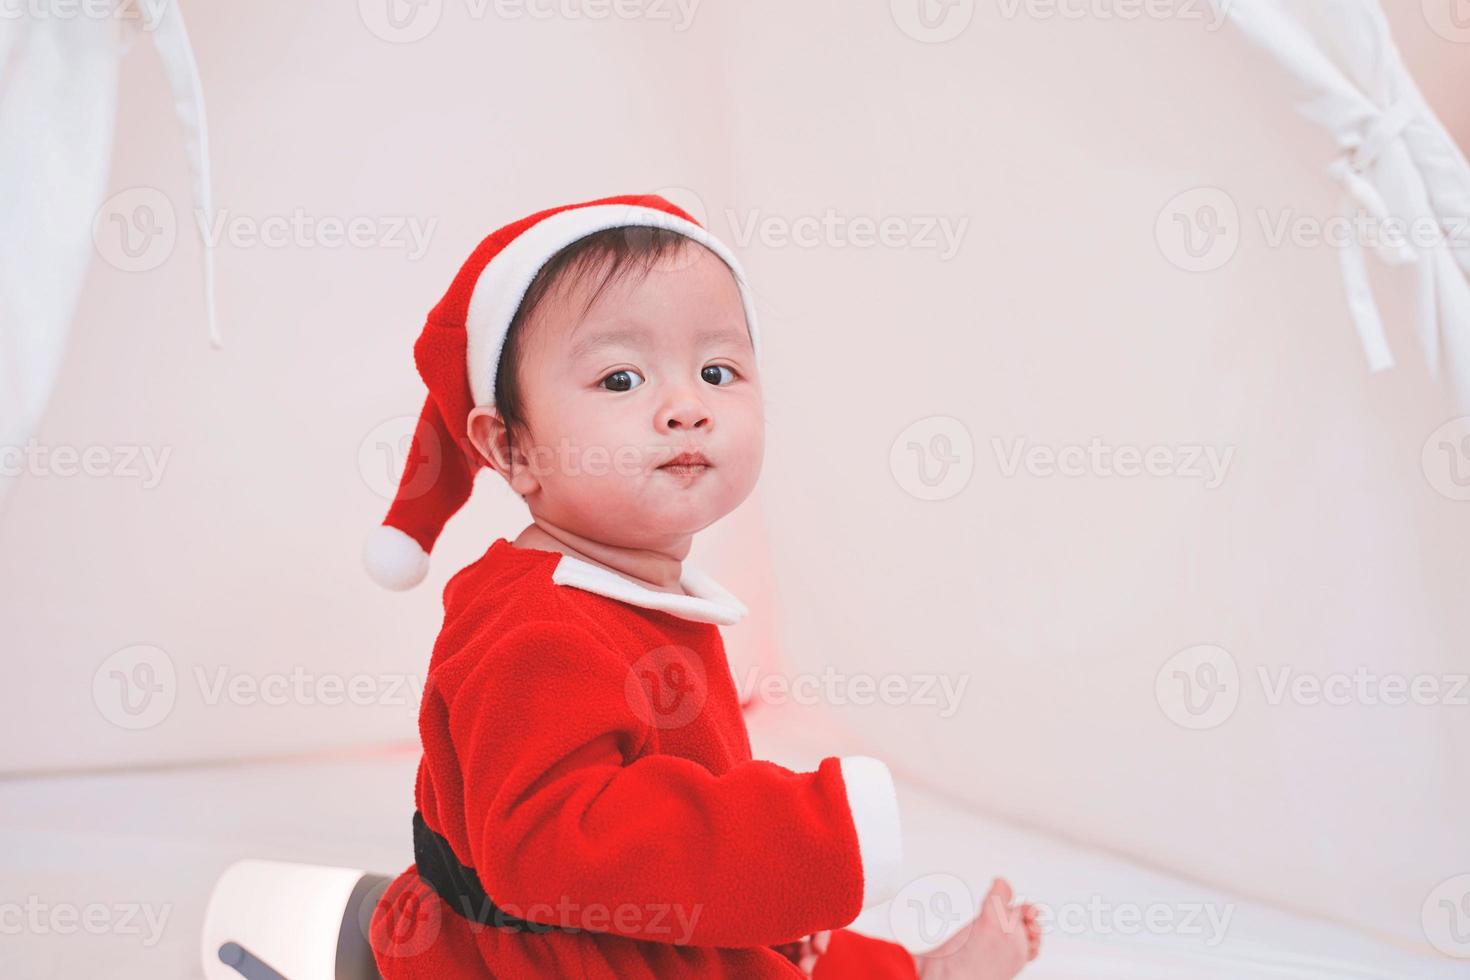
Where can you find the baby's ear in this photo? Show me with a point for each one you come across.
(503, 453)
(487, 433)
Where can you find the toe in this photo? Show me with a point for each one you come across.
(999, 895)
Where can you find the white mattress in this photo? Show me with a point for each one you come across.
(152, 843)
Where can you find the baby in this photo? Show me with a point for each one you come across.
(587, 804)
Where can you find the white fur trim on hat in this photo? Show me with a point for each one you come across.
(504, 280)
(393, 559)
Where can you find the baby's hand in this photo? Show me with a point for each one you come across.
(804, 952)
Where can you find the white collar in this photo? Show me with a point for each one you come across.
(709, 602)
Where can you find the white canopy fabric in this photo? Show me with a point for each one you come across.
(1398, 164)
(58, 101)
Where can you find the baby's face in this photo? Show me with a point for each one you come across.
(660, 365)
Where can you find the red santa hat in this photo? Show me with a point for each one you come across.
(458, 355)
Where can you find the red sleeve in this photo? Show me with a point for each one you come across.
(570, 823)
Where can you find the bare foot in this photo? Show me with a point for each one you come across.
(1002, 939)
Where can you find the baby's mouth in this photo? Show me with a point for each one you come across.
(687, 464)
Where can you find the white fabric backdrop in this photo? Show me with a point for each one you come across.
(1341, 67)
(58, 95)
(1051, 149)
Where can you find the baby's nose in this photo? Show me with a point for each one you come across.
(690, 414)
(690, 420)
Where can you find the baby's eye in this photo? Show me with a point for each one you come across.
(712, 373)
(622, 380)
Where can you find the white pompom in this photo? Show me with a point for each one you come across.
(393, 559)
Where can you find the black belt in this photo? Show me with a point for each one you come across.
(459, 886)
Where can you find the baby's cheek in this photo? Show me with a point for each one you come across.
(745, 465)
(602, 459)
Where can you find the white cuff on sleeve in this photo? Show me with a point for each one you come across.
(874, 804)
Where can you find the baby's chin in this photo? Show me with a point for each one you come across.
(657, 512)
(678, 514)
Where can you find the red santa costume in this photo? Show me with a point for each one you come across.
(587, 804)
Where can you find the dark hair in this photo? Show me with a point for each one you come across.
(617, 252)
